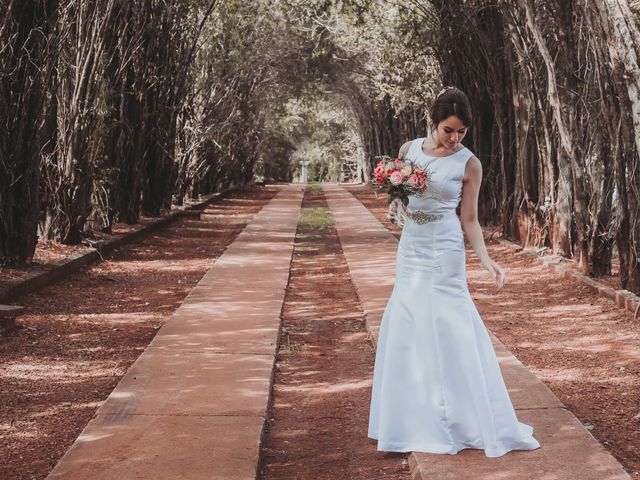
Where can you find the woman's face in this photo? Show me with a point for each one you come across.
(450, 132)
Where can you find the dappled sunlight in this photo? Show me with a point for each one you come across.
(354, 337)
(121, 395)
(62, 408)
(572, 310)
(63, 371)
(308, 373)
(129, 318)
(293, 434)
(194, 263)
(565, 374)
(91, 437)
(26, 432)
(328, 388)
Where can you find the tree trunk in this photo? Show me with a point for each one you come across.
(24, 30)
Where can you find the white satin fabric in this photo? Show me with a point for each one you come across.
(437, 385)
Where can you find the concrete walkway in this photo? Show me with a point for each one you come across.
(193, 405)
(568, 451)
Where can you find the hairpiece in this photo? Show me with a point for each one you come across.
(444, 90)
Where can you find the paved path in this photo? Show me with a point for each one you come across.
(193, 405)
(568, 450)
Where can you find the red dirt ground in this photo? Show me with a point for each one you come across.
(70, 351)
(48, 251)
(321, 392)
(80, 336)
(584, 347)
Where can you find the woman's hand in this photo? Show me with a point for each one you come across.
(393, 210)
(498, 273)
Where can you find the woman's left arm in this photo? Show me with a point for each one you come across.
(469, 219)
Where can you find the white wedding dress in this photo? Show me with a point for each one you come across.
(437, 385)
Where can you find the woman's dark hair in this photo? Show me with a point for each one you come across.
(451, 101)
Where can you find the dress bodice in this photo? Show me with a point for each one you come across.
(445, 179)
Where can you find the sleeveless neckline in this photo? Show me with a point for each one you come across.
(438, 156)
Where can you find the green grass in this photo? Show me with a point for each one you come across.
(314, 187)
(317, 217)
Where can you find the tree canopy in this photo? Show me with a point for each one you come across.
(118, 109)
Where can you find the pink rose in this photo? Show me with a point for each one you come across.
(418, 181)
(406, 171)
(379, 171)
(396, 178)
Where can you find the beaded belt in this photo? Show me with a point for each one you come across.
(421, 217)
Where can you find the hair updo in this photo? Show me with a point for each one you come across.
(451, 101)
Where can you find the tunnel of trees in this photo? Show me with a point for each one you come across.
(116, 109)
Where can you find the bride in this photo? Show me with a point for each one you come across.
(437, 385)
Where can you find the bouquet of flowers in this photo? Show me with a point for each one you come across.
(400, 179)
